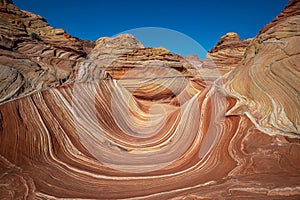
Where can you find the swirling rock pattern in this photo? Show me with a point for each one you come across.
(143, 123)
(270, 93)
(35, 56)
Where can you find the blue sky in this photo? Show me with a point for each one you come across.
(204, 22)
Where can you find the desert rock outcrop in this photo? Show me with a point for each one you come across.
(35, 56)
(121, 121)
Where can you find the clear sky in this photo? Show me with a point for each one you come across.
(203, 21)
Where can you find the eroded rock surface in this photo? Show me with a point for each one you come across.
(33, 55)
(143, 123)
(269, 74)
(229, 51)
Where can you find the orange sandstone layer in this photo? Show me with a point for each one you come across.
(142, 123)
(266, 84)
(72, 142)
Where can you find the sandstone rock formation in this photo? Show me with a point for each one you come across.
(270, 76)
(142, 123)
(105, 52)
(223, 58)
(34, 56)
(229, 51)
(194, 60)
(5, 3)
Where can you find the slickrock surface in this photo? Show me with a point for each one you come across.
(224, 57)
(229, 51)
(267, 85)
(146, 58)
(105, 52)
(143, 123)
(152, 73)
(33, 55)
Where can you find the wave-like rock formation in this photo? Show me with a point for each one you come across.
(33, 55)
(270, 93)
(144, 123)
